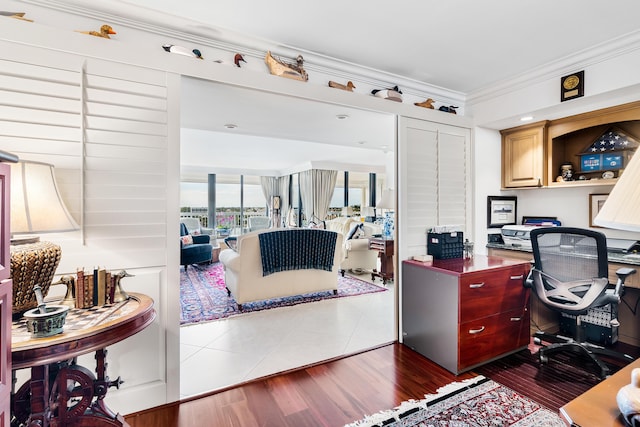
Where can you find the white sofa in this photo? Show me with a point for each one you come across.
(357, 256)
(244, 273)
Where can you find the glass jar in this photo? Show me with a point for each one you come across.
(566, 171)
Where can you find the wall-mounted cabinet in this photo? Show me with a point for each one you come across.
(564, 141)
(523, 152)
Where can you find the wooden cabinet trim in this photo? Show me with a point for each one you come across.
(553, 129)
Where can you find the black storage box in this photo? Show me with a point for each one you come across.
(445, 245)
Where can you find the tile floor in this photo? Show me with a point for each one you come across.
(222, 353)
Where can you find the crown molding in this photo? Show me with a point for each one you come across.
(579, 60)
(203, 35)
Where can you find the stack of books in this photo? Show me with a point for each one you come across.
(94, 288)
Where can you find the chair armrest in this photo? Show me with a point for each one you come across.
(230, 259)
(356, 245)
(201, 238)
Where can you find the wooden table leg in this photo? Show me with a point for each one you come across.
(88, 391)
(40, 412)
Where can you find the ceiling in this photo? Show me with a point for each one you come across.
(463, 46)
(265, 133)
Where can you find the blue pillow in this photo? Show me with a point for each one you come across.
(356, 232)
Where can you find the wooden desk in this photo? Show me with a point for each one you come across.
(385, 253)
(597, 407)
(46, 399)
(547, 320)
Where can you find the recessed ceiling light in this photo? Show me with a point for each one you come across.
(342, 116)
(526, 118)
(362, 142)
(384, 147)
(230, 126)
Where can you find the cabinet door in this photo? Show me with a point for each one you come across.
(523, 153)
(434, 182)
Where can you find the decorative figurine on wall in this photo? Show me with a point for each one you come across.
(172, 48)
(393, 94)
(104, 32)
(280, 68)
(237, 59)
(16, 15)
(425, 104)
(450, 109)
(349, 87)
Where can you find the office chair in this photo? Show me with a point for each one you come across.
(570, 275)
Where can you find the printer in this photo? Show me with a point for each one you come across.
(517, 235)
(520, 235)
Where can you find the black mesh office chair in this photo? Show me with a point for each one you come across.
(570, 275)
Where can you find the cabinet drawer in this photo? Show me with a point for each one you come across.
(484, 339)
(488, 293)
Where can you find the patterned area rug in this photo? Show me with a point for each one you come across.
(475, 402)
(203, 296)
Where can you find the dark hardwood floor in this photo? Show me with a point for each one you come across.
(330, 394)
(342, 391)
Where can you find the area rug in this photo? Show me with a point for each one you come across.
(478, 401)
(203, 295)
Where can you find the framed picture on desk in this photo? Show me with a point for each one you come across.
(501, 210)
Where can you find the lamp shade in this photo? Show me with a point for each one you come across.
(36, 204)
(368, 211)
(387, 201)
(347, 211)
(621, 210)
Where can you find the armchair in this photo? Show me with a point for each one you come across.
(197, 252)
(357, 255)
(194, 227)
(258, 223)
(570, 275)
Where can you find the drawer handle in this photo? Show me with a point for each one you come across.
(520, 277)
(516, 319)
(476, 285)
(476, 331)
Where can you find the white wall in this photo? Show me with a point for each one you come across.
(486, 162)
(569, 205)
(610, 80)
(149, 362)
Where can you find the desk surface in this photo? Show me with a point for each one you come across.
(622, 258)
(597, 407)
(85, 330)
(459, 266)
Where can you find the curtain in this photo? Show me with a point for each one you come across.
(316, 188)
(285, 203)
(276, 186)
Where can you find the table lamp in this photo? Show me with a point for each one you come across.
(621, 211)
(275, 212)
(36, 207)
(369, 213)
(387, 201)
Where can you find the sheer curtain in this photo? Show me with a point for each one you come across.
(316, 188)
(276, 186)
